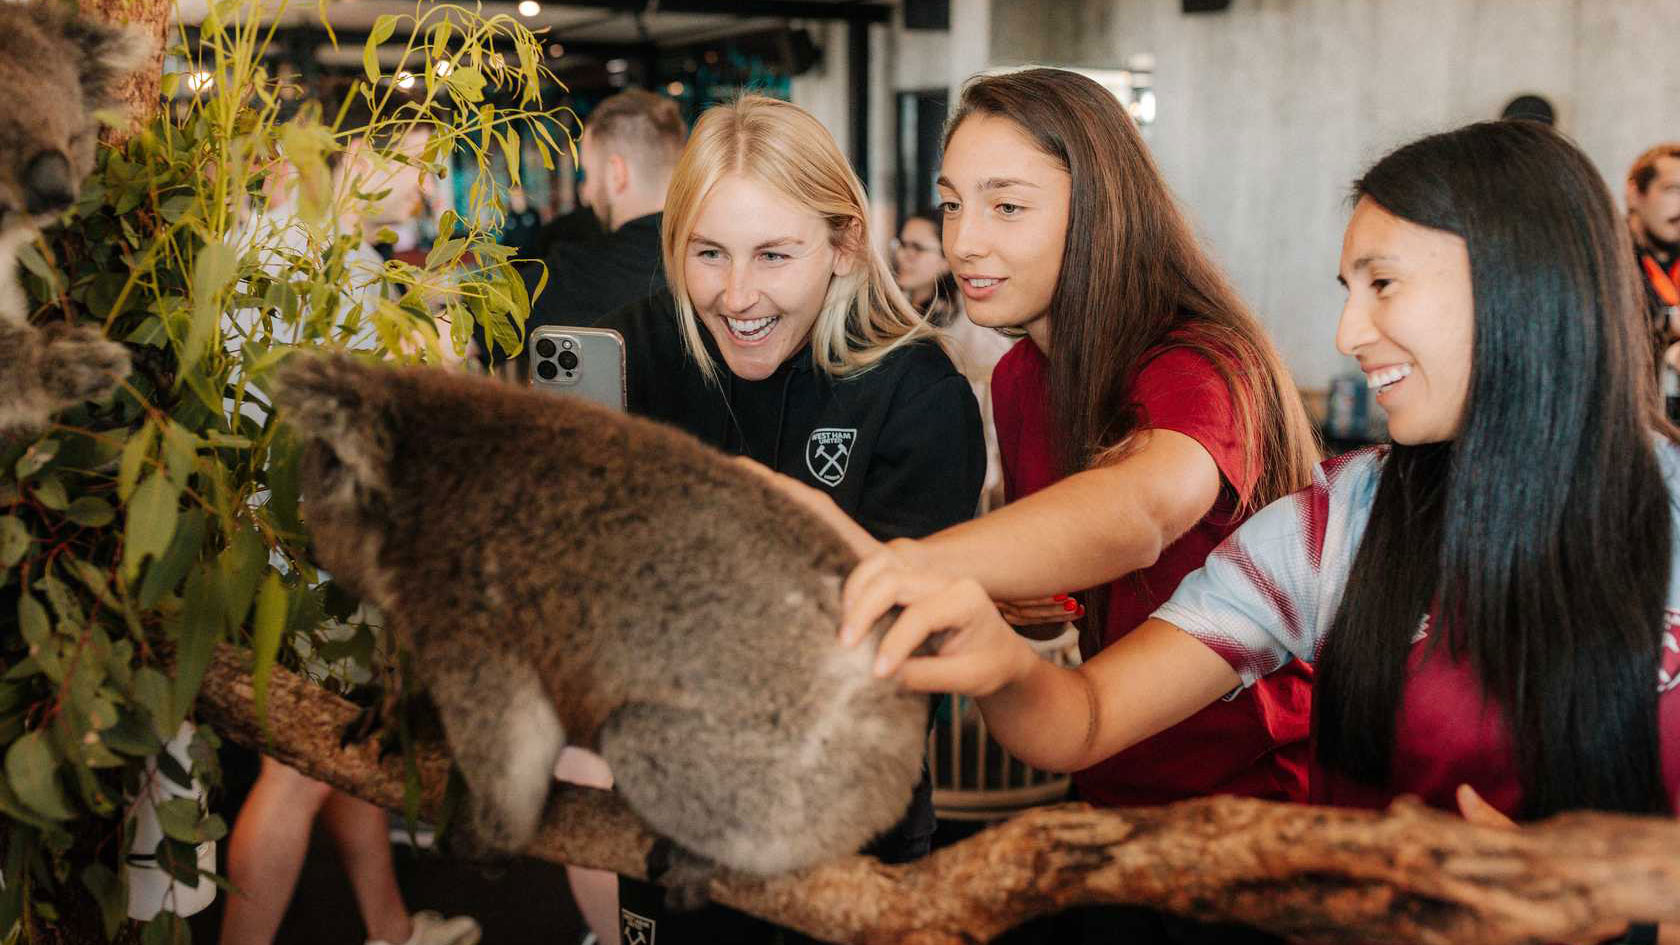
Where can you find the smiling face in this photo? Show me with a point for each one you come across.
(1410, 320)
(1006, 206)
(757, 268)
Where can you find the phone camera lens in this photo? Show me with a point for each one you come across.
(566, 343)
(545, 347)
(547, 371)
(569, 360)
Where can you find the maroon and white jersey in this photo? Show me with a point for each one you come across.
(1268, 594)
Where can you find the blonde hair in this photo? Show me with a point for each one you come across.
(864, 315)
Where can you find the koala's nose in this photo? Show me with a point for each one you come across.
(47, 186)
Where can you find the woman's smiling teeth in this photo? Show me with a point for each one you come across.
(983, 283)
(1385, 378)
(750, 329)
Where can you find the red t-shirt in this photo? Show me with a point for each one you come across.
(1254, 744)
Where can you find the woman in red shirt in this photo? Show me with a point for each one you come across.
(1141, 419)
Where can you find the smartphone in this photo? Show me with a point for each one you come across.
(583, 362)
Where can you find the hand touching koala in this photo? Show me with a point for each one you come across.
(569, 575)
(57, 70)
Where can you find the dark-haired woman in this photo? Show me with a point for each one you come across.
(1492, 603)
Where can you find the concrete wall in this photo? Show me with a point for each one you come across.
(1268, 111)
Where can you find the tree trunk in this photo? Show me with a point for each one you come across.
(139, 92)
(1410, 874)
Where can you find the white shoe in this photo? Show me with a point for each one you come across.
(431, 928)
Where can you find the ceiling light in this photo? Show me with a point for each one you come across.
(405, 80)
(529, 8)
(675, 89)
(199, 81)
(618, 65)
(443, 67)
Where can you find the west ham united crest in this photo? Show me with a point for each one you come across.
(827, 453)
(635, 929)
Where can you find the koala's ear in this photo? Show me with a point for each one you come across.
(108, 51)
(341, 406)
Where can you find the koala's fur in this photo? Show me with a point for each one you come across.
(57, 70)
(565, 574)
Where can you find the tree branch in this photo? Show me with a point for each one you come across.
(1410, 874)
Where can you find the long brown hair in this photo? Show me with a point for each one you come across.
(1133, 278)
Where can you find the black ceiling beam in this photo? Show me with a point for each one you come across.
(780, 9)
(288, 38)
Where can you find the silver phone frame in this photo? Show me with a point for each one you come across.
(578, 388)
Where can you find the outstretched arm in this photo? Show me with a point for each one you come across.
(1050, 717)
(1086, 530)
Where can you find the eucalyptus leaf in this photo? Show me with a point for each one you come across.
(108, 890)
(132, 736)
(467, 83)
(14, 540)
(152, 515)
(166, 572)
(180, 860)
(133, 461)
(33, 621)
(35, 458)
(383, 27)
(179, 453)
(49, 491)
(178, 817)
(151, 693)
(91, 511)
(197, 630)
(30, 255)
(265, 640)
(242, 565)
(32, 772)
(215, 267)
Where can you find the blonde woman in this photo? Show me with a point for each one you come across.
(784, 338)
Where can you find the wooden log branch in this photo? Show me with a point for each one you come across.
(1410, 874)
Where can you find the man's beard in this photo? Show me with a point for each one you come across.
(1663, 248)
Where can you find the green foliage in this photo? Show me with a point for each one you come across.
(136, 535)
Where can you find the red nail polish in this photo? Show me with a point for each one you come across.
(1070, 605)
(1059, 597)
(1081, 611)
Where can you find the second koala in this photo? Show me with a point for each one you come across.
(58, 70)
(569, 575)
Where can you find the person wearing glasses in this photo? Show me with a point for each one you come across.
(921, 270)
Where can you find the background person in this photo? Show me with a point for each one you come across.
(1653, 202)
(920, 269)
(628, 147)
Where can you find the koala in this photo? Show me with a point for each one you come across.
(565, 574)
(57, 70)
